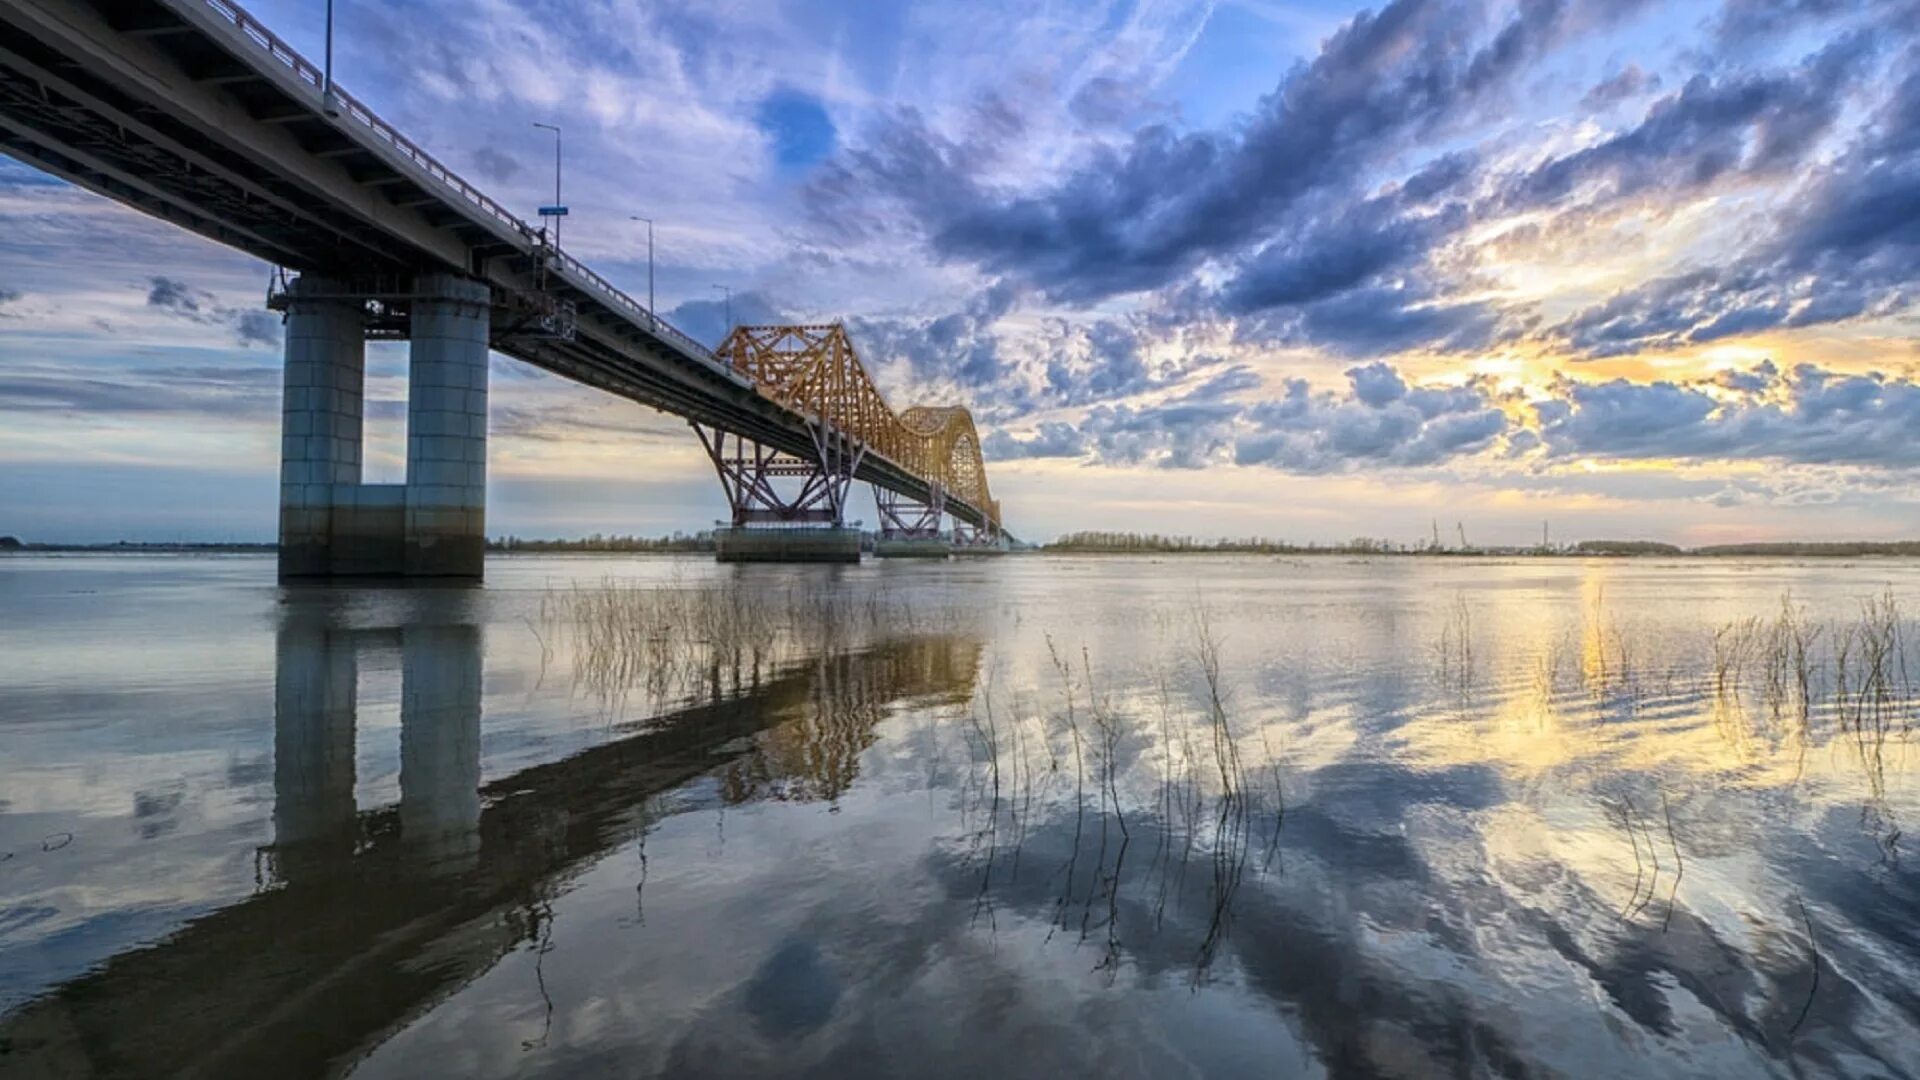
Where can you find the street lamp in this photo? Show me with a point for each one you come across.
(729, 291)
(326, 78)
(558, 210)
(651, 321)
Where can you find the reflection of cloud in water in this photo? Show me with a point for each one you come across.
(793, 993)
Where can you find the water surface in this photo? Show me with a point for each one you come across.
(1022, 816)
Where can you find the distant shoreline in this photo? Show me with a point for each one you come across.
(1590, 550)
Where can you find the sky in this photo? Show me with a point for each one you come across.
(1311, 271)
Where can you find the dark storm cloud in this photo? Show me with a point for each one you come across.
(1290, 185)
(956, 348)
(217, 392)
(1809, 416)
(1142, 217)
(1849, 245)
(1321, 246)
(1331, 254)
(1052, 439)
(1380, 421)
(250, 326)
(1742, 22)
(1746, 123)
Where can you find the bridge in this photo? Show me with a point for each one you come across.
(193, 112)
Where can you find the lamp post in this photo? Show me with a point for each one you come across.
(326, 78)
(559, 209)
(729, 291)
(651, 321)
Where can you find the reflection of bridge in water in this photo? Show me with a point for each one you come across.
(370, 918)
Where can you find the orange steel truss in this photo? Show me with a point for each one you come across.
(814, 370)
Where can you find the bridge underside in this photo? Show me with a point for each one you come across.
(194, 113)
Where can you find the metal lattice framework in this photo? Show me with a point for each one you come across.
(815, 371)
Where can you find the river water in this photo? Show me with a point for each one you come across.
(1024, 816)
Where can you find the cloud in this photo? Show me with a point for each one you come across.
(1743, 22)
(1748, 122)
(494, 165)
(1144, 215)
(1810, 416)
(705, 321)
(1846, 246)
(1380, 421)
(1052, 439)
(958, 349)
(1629, 82)
(219, 393)
(250, 326)
(1332, 253)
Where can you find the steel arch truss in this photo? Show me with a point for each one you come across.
(768, 487)
(967, 536)
(903, 518)
(814, 370)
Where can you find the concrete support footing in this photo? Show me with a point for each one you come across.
(912, 548)
(827, 545)
(434, 525)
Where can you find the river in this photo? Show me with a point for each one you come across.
(1017, 816)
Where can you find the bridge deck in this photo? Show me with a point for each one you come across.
(193, 112)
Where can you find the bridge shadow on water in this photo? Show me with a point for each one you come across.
(364, 919)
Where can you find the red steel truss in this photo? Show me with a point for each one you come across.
(767, 487)
(902, 518)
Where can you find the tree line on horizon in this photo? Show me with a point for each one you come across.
(1129, 543)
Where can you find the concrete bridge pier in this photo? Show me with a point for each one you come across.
(446, 499)
(331, 523)
(321, 406)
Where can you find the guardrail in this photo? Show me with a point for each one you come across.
(431, 169)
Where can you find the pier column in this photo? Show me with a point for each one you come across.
(446, 498)
(314, 695)
(440, 688)
(320, 418)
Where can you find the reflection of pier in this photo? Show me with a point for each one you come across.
(315, 706)
(375, 916)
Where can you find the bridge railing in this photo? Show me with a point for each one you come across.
(636, 309)
(303, 69)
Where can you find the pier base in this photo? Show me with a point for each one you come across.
(916, 548)
(828, 545)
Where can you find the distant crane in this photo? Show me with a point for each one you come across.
(1463, 534)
